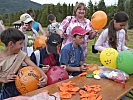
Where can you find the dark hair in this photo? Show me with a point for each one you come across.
(75, 35)
(51, 17)
(11, 34)
(118, 17)
(31, 13)
(121, 17)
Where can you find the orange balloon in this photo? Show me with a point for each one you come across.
(39, 42)
(27, 79)
(98, 20)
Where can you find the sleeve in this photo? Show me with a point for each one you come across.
(49, 28)
(82, 56)
(88, 25)
(101, 40)
(33, 58)
(124, 47)
(65, 23)
(64, 57)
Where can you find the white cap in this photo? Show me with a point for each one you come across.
(26, 18)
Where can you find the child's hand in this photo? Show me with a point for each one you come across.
(45, 68)
(83, 67)
(10, 78)
(92, 34)
(63, 66)
(43, 81)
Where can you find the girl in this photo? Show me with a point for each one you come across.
(114, 36)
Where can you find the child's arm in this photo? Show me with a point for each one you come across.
(9, 78)
(41, 29)
(43, 80)
(76, 69)
(101, 40)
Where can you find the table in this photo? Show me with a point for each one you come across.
(111, 90)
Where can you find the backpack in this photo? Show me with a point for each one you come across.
(52, 28)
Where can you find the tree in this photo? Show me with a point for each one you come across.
(95, 7)
(102, 6)
(131, 14)
(121, 5)
(64, 10)
(127, 6)
(69, 10)
(72, 9)
(90, 8)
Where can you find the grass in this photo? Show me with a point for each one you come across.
(94, 58)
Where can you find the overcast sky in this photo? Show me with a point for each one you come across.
(107, 2)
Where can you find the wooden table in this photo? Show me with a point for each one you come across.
(111, 90)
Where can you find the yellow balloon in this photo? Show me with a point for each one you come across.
(108, 57)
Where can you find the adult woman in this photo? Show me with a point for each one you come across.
(78, 19)
(114, 35)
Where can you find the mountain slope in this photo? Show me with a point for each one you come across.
(9, 6)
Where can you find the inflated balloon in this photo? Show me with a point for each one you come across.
(124, 61)
(108, 57)
(39, 42)
(56, 74)
(27, 79)
(98, 20)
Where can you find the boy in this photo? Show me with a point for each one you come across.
(72, 54)
(11, 59)
(53, 27)
(48, 55)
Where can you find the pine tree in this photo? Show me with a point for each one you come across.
(121, 5)
(69, 10)
(131, 14)
(64, 10)
(90, 8)
(102, 6)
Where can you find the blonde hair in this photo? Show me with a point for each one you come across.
(77, 6)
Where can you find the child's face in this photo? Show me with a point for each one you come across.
(119, 26)
(79, 39)
(17, 46)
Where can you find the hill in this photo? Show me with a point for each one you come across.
(10, 6)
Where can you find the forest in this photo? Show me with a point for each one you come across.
(63, 10)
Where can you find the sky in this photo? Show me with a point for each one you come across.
(107, 2)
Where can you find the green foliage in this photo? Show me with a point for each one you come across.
(9, 6)
(94, 58)
(121, 5)
(64, 10)
(61, 11)
(90, 9)
(101, 5)
(131, 14)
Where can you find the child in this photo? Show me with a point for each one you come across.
(53, 27)
(78, 19)
(11, 59)
(36, 25)
(114, 35)
(72, 54)
(48, 55)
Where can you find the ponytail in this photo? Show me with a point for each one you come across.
(112, 35)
